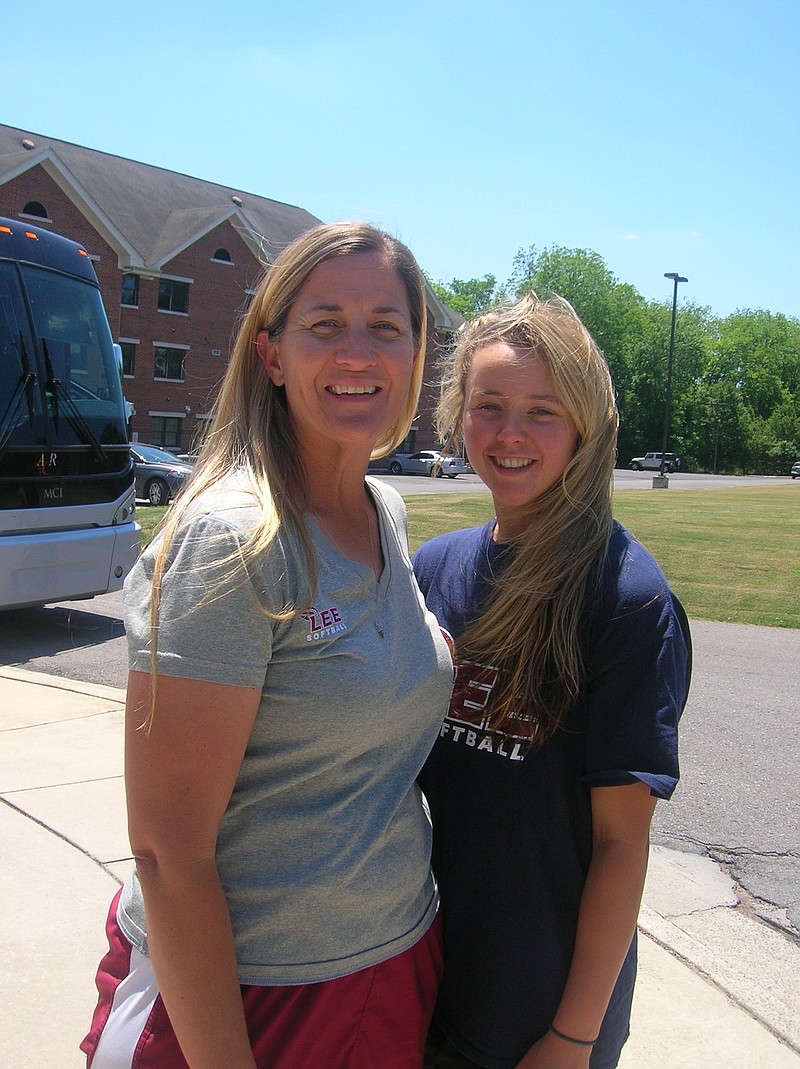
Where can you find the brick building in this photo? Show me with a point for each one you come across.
(176, 258)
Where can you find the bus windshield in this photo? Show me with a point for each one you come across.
(59, 376)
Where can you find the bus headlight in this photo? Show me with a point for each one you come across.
(126, 510)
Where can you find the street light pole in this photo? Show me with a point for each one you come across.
(717, 403)
(676, 278)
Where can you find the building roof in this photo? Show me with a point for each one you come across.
(148, 214)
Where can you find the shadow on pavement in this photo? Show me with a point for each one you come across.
(48, 631)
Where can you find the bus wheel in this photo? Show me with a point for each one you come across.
(157, 492)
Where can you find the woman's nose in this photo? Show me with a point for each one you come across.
(511, 429)
(357, 346)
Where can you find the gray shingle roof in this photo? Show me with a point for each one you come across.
(149, 214)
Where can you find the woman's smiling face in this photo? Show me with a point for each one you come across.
(519, 436)
(346, 354)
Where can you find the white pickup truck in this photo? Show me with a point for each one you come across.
(652, 462)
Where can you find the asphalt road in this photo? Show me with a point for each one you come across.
(738, 800)
(624, 479)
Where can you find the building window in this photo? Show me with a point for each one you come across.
(130, 290)
(165, 431)
(128, 357)
(202, 428)
(223, 256)
(169, 363)
(173, 296)
(35, 208)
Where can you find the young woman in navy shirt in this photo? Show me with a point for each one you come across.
(573, 665)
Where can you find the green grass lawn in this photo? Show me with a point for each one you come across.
(149, 517)
(731, 555)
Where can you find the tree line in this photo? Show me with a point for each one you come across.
(735, 404)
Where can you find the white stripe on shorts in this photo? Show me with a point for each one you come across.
(130, 1010)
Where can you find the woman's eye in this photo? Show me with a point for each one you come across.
(391, 328)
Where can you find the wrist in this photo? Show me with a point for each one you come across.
(571, 1039)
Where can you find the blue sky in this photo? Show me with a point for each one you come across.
(662, 136)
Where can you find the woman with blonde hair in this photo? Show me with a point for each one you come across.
(286, 684)
(573, 663)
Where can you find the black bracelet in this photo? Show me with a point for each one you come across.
(570, 1039)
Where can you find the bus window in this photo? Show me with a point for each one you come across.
(80, 363)
(20, 409)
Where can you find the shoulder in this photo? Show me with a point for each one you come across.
(631, 572)
(387, 497)
(230, 504)
(206, 550)
(450, 550)
(452, 542)
(634, 594)
(391, 505)
(214, 524)
(452, 571)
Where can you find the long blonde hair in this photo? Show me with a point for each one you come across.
(531, 627)
(252, 432)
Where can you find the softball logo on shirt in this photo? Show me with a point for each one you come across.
(323, 623)
(467, 720)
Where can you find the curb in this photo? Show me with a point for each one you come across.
(759, 1003)
(41, 679)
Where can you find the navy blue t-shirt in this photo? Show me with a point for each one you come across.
(512, 827)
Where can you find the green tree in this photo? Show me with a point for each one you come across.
(714, 423)
(610, 309)
(755, 356)
(468, 297)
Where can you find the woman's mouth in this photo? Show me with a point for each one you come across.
(342, 390)
(512, 462)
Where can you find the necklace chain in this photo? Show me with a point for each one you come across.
(375, 553)
(374, 547)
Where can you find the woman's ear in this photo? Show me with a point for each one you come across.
(268, 351)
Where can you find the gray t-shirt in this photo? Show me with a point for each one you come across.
(324, 850)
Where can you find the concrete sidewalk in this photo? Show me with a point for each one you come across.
(716, 986)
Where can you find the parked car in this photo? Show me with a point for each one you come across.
(452, 466)
(159, 473)
(795, 472)
(652, 462)
(421, 462)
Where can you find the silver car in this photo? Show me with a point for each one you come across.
(159, 473)
(420, 463)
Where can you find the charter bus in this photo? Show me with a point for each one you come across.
(67, 508)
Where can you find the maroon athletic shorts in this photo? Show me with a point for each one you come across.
(376, 1018)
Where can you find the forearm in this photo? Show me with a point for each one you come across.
(606, 925)
(606, 922)
(191, 946)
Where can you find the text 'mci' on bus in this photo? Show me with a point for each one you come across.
(67, 527)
